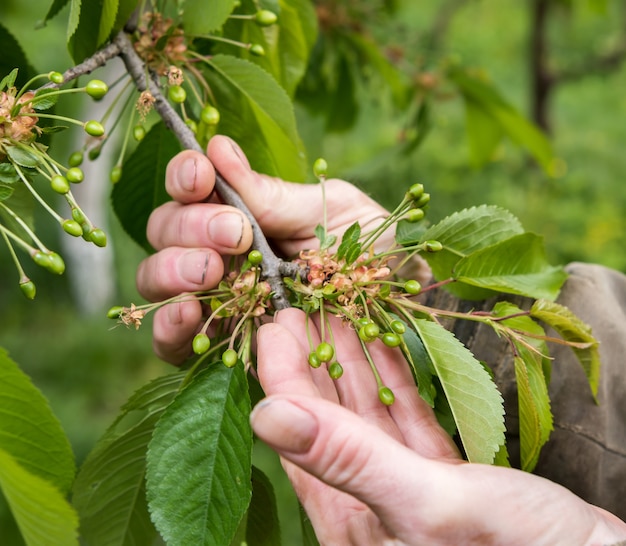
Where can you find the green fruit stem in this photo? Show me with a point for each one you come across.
(26, 228)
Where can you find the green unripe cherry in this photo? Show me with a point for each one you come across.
(55, 77)
(94, 128)
(193, 126)
(415, 191)
(369, 332)
(415, 215)
(116, 174)
(201, 344)
(50, 261)
(362, 322)
(412, 287)
(139, 132)
(314, 362)
(75, 159)
(78, 215)
(230, 358)
(210, 115)
(60, 184)
(335, 370)
(257, 50)
(96, 89)
(422, 201)
(386, 396)
(29, 289)
(177, 94)
(75, 175)
(72, 227)
(433, 246)
(98, 237)
(115, 312)
(325, 352)
(320, 168)
(398, 326)
(94, 153)
(265, 18)
(255, 257)
(391, 339)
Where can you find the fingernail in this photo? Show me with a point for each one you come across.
(226, 229)
(284, 426)
(193, 266)
(186, 175)
(173, 313)
(239, 152)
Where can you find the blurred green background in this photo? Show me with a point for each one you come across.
(88, 369)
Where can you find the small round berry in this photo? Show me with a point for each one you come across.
(60, 184)
(115, 312)
(230, 358)
(139, 132)
(362, 322)
(210, 115)
(94, 128)
(55, 77)
(325, 352)
(98, 237)
(193, 126)
(201, 344)
(391, 339)
(415, 215)
(257, 50)
(320, 168)
(386, 396)
(398, 326)
(415, 191)
(335, 370)
(412, 287)
(433, 246)
(94, 153)
(28, 288)
(371, 330)
(55, 263)
(72, 227)
(116, 174)
(96, 89)
(78, 215)
(265, 18)
(75, 159)
(314, 362)
(422, 201)
(177, 94)
(255, 257)
(75, 175)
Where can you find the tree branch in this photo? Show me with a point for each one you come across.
(272, 267)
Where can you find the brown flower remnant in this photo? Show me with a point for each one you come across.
(150, 48)
(144, 104)
(247, 284)
(131, 316)
(174, 76)
(17, 126)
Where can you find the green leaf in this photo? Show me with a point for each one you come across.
(483, 131)
(90, 25)
(8, 174)
(45, 98)
(199, 460)
(420, 363)
(485, 97)
(42, 514)
(107, 19)
(22, 156)
(409, 233)
(9, 80)
(262, 527)
(142, 186)
(5, 191)
(573, 330)
(349, 238)
(517, 265)
(29, 431)
(13, 56)
(201, 17)
(308, 533)
(109, 492)
(259, 116)
(55, 8)
(475, 401)
(534, 413)
(463, 233)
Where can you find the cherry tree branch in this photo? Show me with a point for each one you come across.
(272, 267)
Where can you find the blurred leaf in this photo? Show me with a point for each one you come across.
(308, 533)
(109, 492)
(572, 329)
(517, 265)
(262, 528)
(55, 8)
(8, 174)
(483, 132)
(199, 460)
(463, 233)
(107, 20)
(13, 57)
(418, 127)
(201, 17)
(486, 98)
(475, 401)
(42, 514)
(9, 80)
(124, 11)
(90, 25)
(258, 115)
(142, 186)
(29, 432)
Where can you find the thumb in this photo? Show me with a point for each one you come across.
(283, 209)
(347, 453)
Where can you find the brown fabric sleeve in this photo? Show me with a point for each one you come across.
(587, 449)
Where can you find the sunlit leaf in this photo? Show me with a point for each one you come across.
(199, 460)
(42, 514)
(475, 401)
(201, 17)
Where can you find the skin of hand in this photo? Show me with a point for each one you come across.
(191, 235)
(368, 474)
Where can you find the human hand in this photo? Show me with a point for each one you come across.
(371, 474)
(191, 235)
